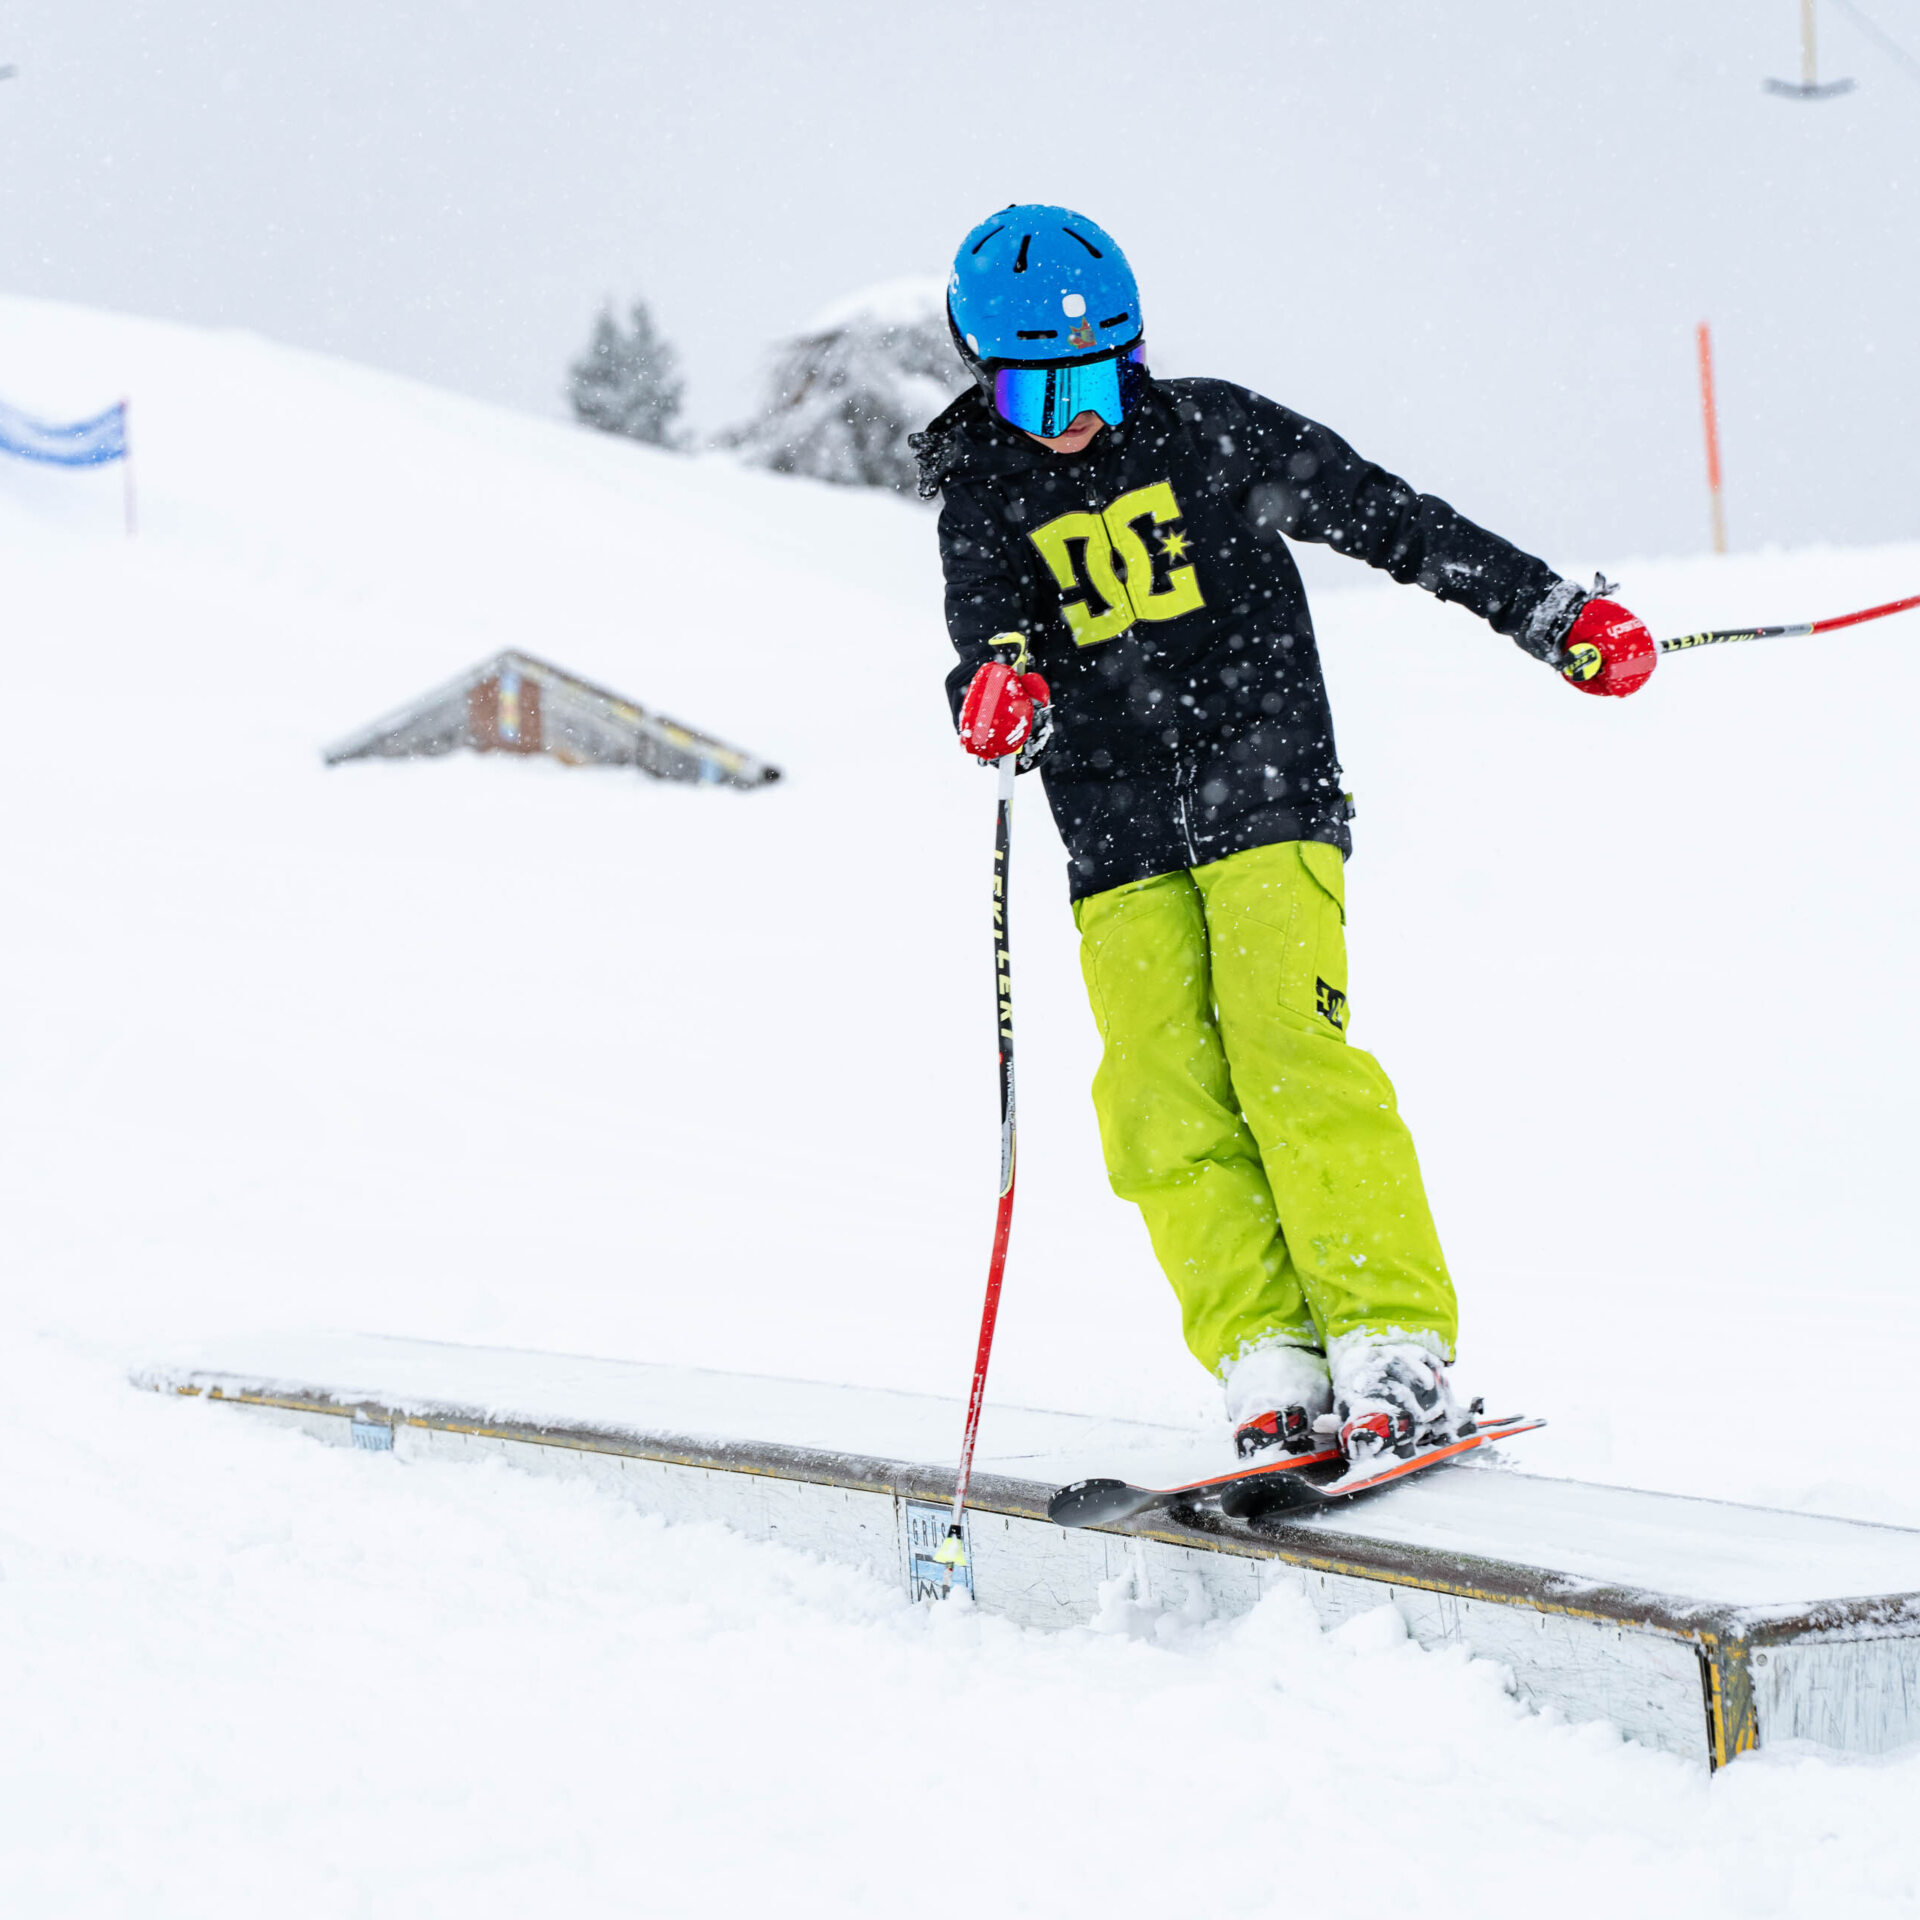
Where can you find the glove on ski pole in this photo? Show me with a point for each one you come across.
(1608, 650)
(1006, 712)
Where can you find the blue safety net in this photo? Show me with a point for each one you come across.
(87, 443)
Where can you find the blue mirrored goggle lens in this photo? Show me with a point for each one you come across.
(1047, 400)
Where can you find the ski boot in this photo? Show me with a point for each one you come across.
(1274, 1396)
(1391, 1396)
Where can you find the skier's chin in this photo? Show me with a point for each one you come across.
(1084, 427)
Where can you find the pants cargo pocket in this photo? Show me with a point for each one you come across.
(1277, 921)
(1318, 947)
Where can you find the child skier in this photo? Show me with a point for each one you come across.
(1128, 617)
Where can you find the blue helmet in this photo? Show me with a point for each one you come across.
(1045, 313)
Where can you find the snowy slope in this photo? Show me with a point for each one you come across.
(507, 1053)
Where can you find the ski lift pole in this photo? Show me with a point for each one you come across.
(1686, 642)
(952, 1553)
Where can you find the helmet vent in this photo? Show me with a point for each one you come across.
(1084, 241)
(1038, 333)
(1117, 318)
(1020, 265)
(984, 238)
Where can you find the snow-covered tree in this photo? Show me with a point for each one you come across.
(844, 392)
(628, 381)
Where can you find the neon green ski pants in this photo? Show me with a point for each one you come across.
(1277, 1179)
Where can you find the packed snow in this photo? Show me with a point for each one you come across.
(241, 1665)
(497, 1051)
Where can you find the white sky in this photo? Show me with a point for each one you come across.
(1473, 239)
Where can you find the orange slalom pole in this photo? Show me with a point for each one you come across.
(1711, 415)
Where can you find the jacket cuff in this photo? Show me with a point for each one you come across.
(1545, 633)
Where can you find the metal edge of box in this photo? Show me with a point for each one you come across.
(1466, 1577)
(1725, 1638)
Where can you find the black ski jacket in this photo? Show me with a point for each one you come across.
(1149, 579)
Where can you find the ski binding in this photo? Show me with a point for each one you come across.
(1317, 1475)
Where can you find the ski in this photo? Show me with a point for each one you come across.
(1296, 1480)
(1102, 1503)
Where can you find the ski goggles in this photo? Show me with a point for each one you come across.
(1046, 400)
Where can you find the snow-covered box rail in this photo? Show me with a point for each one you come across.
(1698, 1627)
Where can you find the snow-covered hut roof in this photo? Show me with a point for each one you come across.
(514, 703)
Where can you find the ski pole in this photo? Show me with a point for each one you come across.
(952, 1553)
(1800, 629)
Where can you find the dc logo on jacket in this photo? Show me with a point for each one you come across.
(1118, 586)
